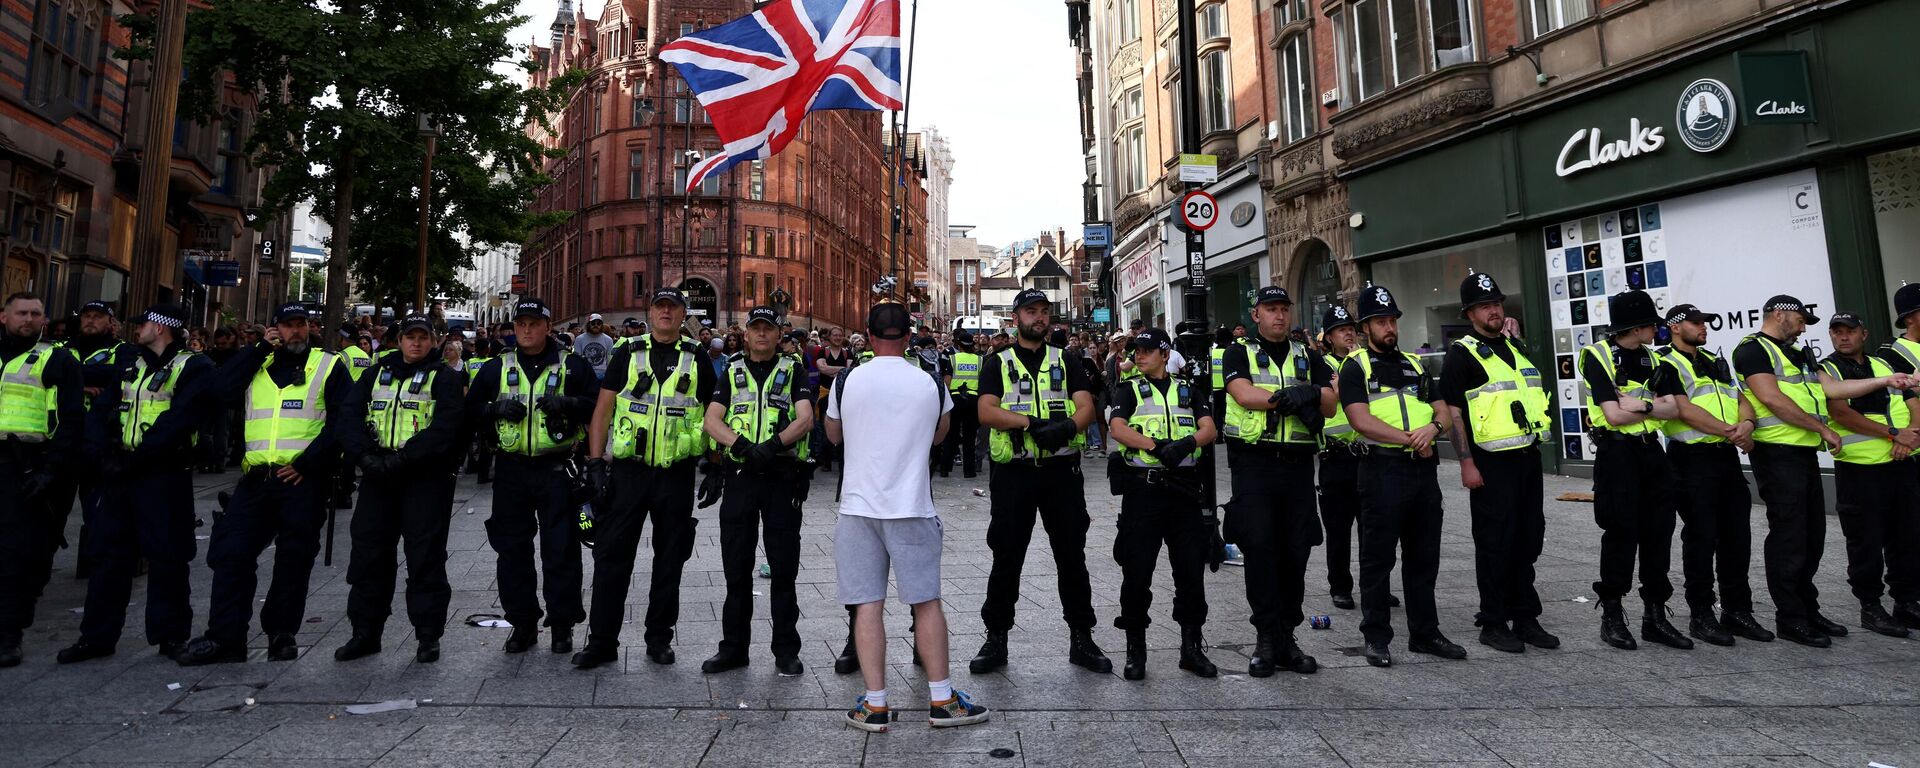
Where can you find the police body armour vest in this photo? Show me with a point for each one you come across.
(1604, 354)
(1269, 427)
(532, 436)
(657, 418)
(1509, 412)
(966, 373)
(1703, 387)
(1042, 394)
(758, 414)
(1158, 416)
(1875, 447)
(1404, 408)
(400, 407)
(26, 402)
(1802, 386)
(1338, 429)
(145, 393)
(282, 422)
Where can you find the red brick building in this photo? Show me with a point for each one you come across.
(811, 222)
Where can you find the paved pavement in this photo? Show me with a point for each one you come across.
(1584, 704)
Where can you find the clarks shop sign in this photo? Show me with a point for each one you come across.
(1704, 118)
(1775, 87)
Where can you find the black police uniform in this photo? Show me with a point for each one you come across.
(1879, 509)
(768, 496)
(1632, 501)
(103, 359)
(1159, 506)
(1339, 491)
(1714, 502)
(1789, 480)
(405, 497)
(1508, 509)
(963, 438)
(939, 366)
(32, 519)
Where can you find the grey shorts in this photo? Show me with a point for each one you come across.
(864, 546)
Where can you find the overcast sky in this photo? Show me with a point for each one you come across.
(996, 78)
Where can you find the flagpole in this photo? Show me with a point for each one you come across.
(900, 149)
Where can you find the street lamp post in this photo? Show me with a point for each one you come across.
(431, 132)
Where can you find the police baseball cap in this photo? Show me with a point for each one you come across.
(889, 320)
(170, 315)
(1031, 296)
(631, 323)
(1151, 338)
(1845, 320)
(415, 323)
(1270, 294)
(923, 341)
(669, 294)
(963, 337)
(1787, 303)
(532, 308)
(1688, 313)
(290, 311)
(97, 306)
(764, 315)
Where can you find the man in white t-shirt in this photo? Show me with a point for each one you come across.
(885, 414)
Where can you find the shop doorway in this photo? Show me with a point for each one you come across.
(1318, 285)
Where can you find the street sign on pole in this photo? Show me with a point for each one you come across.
(1102, 315)
(1198, 210)
(1203, 169)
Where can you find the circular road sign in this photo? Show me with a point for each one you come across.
(1198, 210)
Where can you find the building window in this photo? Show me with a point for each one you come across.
(710, 186)
(1451, 26)
(593, 179)
(751, 295)
(799, 183)
(757, 180)
(767, 283)
(1369, 50)
(636, 173)
(1549, 15)
(64, 54)
(227, 160)
(1296, 89)
(1129, 21)
(685, 29)
(1047, 283)
(1292, 11)
(753, 238)
(773, 238)
(709, 237)
(1213, 22)
(1403, 25)
(1216, 92)
(599, 97)
(1391, 42)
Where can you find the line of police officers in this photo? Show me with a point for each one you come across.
(662, 414)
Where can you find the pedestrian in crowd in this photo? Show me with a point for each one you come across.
(402, 423)
(41, 426)
(595, 346)
(887, 520)
(1715, 425)
(292, 390)
(452, 353)
(1876, 482)
(535, 400)
(644, 442)
(1339, 457)
(1038, 407)
(1278, 395)
(1159, 426)
(834, 357)
(1494, 393)
(1390, 401)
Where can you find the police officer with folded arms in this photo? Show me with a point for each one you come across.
(1494, 393)
(1877, 486)
(1389, 399)
(143, 447)
(1158, 426)
(104, 358)
(1279, 394)
(1713, 426)
(1038, 404)
(963, 440)
(409, 410)
(645, 439)
(1339, 463)
(534, 401)
(41, 429)
(292, 393)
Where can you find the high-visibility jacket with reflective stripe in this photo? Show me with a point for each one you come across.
(757, 413)
(1875, 447)
(145, 393)
(1337, 429)
(1720, 400)
(400, 408)
(1403, 407)
(1042, 394)
(26, 402)
(532, 436)
(1159, 417)
(1907, 349)
(282, 422)
(1801, 386)
(1603, 353)
(357, 359)
(966, 373)
(1509, 412)
(1250, 426)
(665, 423)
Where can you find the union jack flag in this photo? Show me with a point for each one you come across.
(758, 76)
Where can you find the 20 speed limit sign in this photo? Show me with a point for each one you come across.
(1198, 210)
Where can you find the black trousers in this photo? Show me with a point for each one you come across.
(143, 513)
(530, 497)
(640, 492)
(30, 532)
(1717, 540)
(963, 438)
(1339, 510)
(1879, 507)
(1789, 477)
(1272, 518)
(1056, 493)
(1149, 516)
(265, 511)
(1509, 528)
(752, 500)
(1634, 509)
(411, 510)
(214, 437)
(1399, 508)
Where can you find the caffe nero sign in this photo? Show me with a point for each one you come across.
(1775, 87)
(1704, 118)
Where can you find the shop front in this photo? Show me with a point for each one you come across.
(1784, 161)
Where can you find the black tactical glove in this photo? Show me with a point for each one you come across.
(1216, 546)
(508, 410)
(380, 464)
(713, 485)
(36, 482)
(1296, 399)
(1172, 453)
(1051, 434)
(599, 479)
(762, 455)
(554, 406)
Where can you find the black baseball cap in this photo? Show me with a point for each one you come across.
(1031, 296)
(1791, 304)
(1151, 338)
(963, 336)
(1271, 294)
(290, 311)
(669, 294)
(170, 315)
(97, 306)
(764, 315)
(631, 323)
(532, 308)
(1845, 319)
(923, 341)
(889, 320)
(415, 322)
(1688, 313)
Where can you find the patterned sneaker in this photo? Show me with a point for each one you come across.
(867, 717)
(957, 711)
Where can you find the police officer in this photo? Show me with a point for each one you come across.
(41, 428)
(1704, 442)
(408, 408)
(926, 354)
(1632, 498)
(1902, 354)
(1158, 427)
(1278, 395)
(358, 359)
(1038, 404)
(1389, 399)
(1494, 394)
(103, 359)
(292, 390)
(964, 385)
(480, 456)
(1339, 465)
(645, 439)
(1874, 478)
(143, 448)
(1782, 381)
(761, 414)
(535, 402)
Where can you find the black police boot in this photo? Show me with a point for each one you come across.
(9, 648)
(1136, 668)
(521, 639)
(992, 655)
(1342, 602)
(1805, 634)
(1741, 623)
(1613, 626)
(429, 650)
(1083, 653)
(562, 638)
(595, 654)
(204, 651)
(1193, 654)
(1292, 659)
(1531, 633)
(789, 666)
(1393, 601)
(1827, 626)
(1707, 630)
(1872, 616)
(85, 651)
(722, 661)
(170, 649)
(1655, 627)
(1908, 614)
(849, 660)
(1260, 662)
(1378, 655)
(1437, 644)
(1496, 635)
(660, 654)
(360, 644)
(283, 647)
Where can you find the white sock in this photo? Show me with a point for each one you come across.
(877, 699)
(940, 690)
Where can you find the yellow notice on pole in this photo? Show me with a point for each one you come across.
(1203, 169)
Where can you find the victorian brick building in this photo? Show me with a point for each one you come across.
(809, 226)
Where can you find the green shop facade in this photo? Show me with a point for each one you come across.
(1784, 161)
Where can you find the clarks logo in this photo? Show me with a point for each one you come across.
(1771, 107)
(1642, 140)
